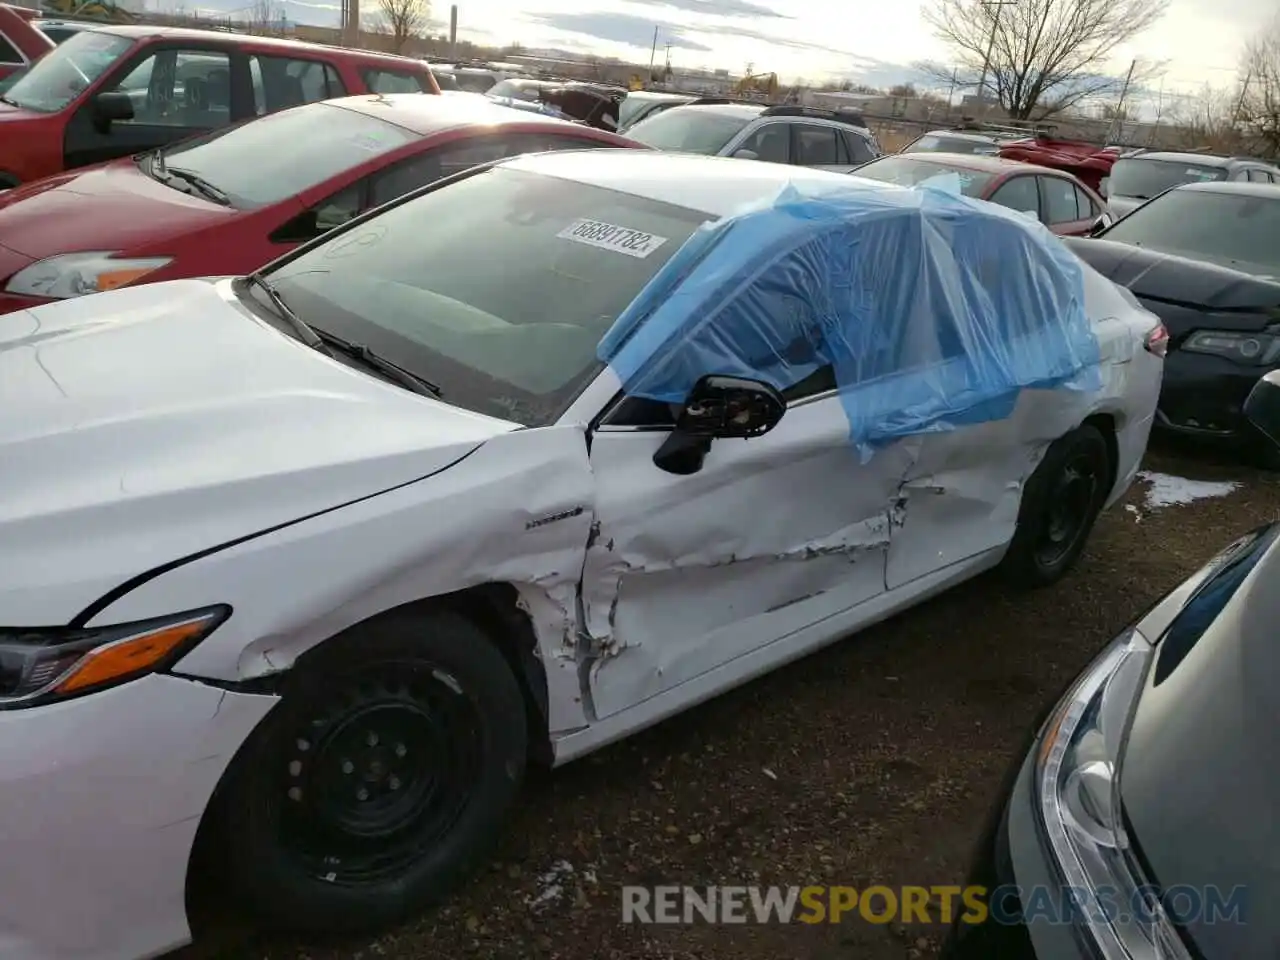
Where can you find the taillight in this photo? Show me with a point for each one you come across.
(1157, 340)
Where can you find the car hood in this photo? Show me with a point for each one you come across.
(111, 208)
(1184, 293)
(1200, 775)
(148, 424)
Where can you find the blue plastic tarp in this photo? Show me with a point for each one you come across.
(934, 310)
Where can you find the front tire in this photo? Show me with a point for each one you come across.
(379, 779)
(1060, 504)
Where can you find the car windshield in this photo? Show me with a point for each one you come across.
(1142, 179)
(67, 71)
(498, 287)
(932, 143)
(909, 171)
(1236, 230)
(688, 130)
(256, 164)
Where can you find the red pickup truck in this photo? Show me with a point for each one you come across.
(20, 43)
(112, 91)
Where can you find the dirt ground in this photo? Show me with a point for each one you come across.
(874, 761)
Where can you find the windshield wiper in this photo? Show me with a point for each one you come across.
(202, 185)
(12, 103)
(361, 353)
(306, 333)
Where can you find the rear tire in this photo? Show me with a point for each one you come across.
(1060, 504)
(382, 775)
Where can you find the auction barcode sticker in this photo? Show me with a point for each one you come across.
(608, 236)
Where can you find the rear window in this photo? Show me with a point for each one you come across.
(688, 130)
(67, 71)
(262, 162)
(907, 172)
(1141, 178)
(1231, 230)
(8, 52)
(394, 81)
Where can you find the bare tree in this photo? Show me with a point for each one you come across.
(402, 20)
(1204, 122)
(264, 17)
(1258, 104)
(1045, 56)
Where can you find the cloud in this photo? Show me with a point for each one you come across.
(623, 28)
(774, 40)
(717, 8)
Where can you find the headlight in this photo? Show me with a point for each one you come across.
(42, 664)
(1079, 800)
(76, 274)
(1259, 349)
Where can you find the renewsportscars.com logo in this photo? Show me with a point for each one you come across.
(936, 904)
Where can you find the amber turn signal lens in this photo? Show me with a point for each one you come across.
(131, 655)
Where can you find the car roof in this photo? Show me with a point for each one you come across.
(1203, 159)
(975, 161)
(149, 31)
(661, 95)
(744, 111)
(428, 114)
(1246, 188)
(715, 186)
(962, 135)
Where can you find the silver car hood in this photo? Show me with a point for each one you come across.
(145, 425)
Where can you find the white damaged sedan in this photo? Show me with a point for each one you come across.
(505, 471)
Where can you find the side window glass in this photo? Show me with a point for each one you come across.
(1087, 208)
(822, 380)
(283, 82)
(770, 143)
(387, 81)
(405, 176)
(180, 88)
(815, 146)
(8, 52)
(1019, 194)
(1060, 200)
(339, 208)
(859, 150)
(842, 151)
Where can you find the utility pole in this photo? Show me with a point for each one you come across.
(653, 52)
(991, 44)
(1244, 92)
(1117, 121)
(951, 94)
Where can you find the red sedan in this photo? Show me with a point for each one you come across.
(1054, 197)
(231, 201)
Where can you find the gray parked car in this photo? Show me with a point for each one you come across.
(1137, 177)
(803, 136)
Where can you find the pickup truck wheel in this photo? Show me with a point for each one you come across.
(380, 777)
(1060, 503)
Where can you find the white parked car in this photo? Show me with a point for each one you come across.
(320, 557)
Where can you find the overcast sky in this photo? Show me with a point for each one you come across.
(1201, 39)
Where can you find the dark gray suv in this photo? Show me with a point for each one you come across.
(1137, 177)
(803, 136)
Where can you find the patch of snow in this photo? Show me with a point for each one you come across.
(1137, 514)
(1166, 490)
(550, 885)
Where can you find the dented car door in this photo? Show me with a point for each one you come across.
(772, 534)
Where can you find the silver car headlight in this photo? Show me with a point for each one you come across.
(77, 274)
(1079, 806)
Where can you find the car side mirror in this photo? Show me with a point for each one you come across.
(110, 107)
(718, 408)
(1101, 224)
(1262, 406)
(1104, 186)
(745, 154)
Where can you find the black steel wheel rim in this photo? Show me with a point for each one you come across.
(378, 773)
(1070, 504)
